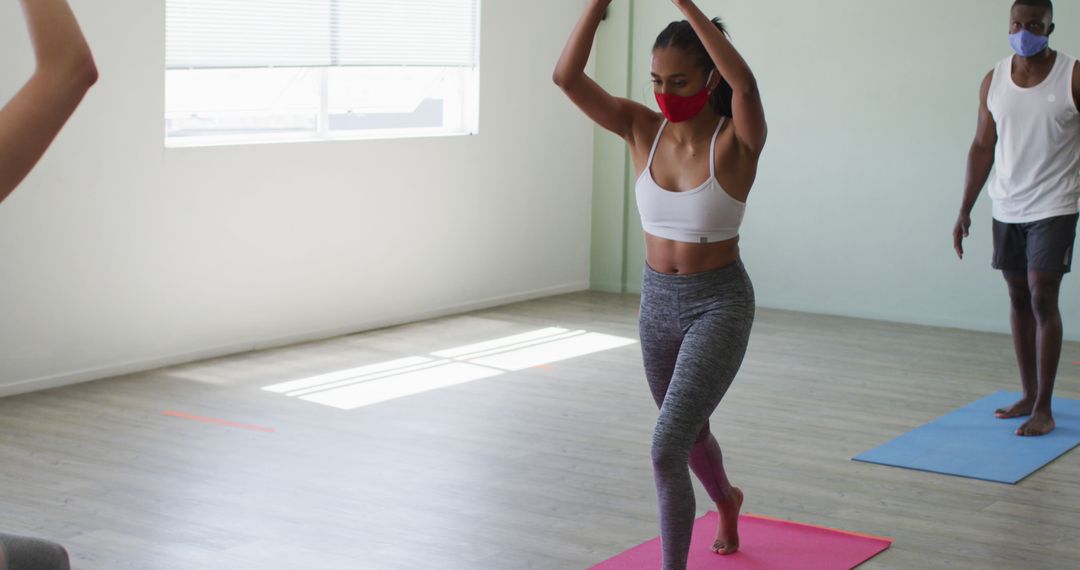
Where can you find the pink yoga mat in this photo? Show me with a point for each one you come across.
(764, 543)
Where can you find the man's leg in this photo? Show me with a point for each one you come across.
(1044, 302)
(1024, 333)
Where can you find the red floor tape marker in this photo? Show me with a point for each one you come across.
(216, 421)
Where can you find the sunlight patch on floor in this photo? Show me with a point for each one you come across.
(381, 382)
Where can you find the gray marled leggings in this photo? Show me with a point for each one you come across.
(694, 331)
(23, 553)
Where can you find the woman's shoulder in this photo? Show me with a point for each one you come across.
(646, 127)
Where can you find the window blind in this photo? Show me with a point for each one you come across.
(217, 34)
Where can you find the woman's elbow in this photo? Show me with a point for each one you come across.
(747, 87)
(77, 69)
(560, 78)
(86, 72)
(565, 78)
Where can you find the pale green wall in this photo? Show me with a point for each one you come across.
(610, 205)
(871, 108)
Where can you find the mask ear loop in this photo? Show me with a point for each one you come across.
(709, 80)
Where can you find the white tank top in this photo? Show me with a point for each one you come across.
(1037, 159)
(706, 214)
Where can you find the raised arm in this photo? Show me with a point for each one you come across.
(64, 72)
(980, 162)
(749, 114)
(615, 114)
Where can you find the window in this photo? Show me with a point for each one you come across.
(242, 71)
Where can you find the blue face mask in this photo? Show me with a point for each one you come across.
(1027, 44)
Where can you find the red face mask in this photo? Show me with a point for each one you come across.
(677, 108)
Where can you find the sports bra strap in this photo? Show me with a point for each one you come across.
(655, 144)
(712, 149)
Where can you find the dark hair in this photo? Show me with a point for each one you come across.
(682, 35)
(1048, 4)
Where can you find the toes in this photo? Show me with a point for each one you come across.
(1017, 410)
(1029, 430)
(1038, 431)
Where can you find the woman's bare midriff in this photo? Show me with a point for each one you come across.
(681, 258)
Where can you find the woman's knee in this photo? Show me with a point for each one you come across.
(703, 433)
(668, 455)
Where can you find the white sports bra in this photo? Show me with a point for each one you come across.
(706, 214)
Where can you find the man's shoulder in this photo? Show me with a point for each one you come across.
(1003, 63)
(1068, 57)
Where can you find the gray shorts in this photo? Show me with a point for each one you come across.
(25, 553)
(1043, 245)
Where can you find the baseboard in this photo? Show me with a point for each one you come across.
(989, 327)
(143, 365)
(606, 286)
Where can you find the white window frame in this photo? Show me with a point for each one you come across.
(465, 110)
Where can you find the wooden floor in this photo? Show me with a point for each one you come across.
(544, 468)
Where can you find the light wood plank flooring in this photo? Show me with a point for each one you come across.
(545, 468)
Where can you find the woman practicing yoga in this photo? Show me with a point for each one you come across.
(697, 302)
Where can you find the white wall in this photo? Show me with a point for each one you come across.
(871, 108)
(118, 255)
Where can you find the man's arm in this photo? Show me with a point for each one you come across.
(980, 162)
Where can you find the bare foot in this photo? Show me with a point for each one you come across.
(1019, 409)
(1041, 423)
(727, 533)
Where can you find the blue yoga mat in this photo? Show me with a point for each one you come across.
(971, 442)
